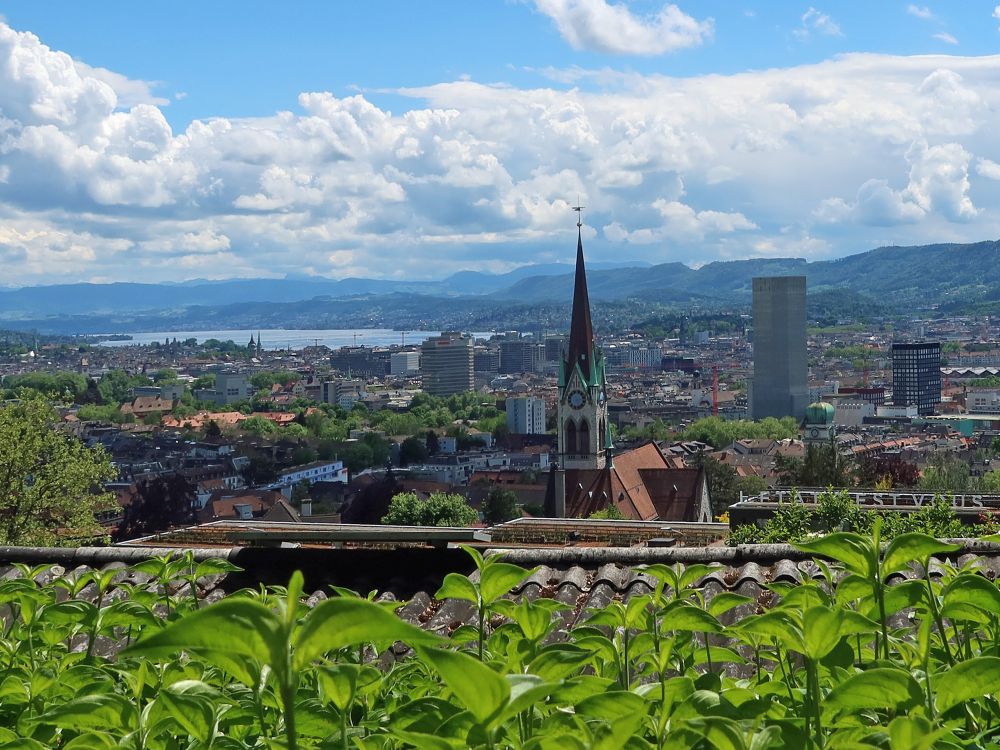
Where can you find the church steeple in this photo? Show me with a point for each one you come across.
(581, 330)
(582, 409)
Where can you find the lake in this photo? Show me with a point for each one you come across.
(277, 338)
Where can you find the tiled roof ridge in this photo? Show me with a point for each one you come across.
(733, 556)
(99, 556)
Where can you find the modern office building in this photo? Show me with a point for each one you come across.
(361, 361)
(446, 364)
(526, 415)
(230, 387)
(343, 392)
(916, 375)
(521, 355)
(486, 360)
(404, 363)
(779, 386)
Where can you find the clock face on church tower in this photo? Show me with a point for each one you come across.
(576, 400)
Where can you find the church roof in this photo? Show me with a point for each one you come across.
(640, 483)
(581, 332)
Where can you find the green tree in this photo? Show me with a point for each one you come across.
(822, 466)
(157, 505)
(945, 472)
(611, 513)
(499, 505)
(433, 445)
(303, 454)
(719, 432)
(107, 413)
(204, 382)
(258, 426)
(412, 451)
(989, 483)
(59, 385)
(294, 430)
(51, 486)
(261, 380)
(115, 386)
(165, 376)
(357, 456)
(406, 509)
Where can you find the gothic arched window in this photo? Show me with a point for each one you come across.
(569, 443)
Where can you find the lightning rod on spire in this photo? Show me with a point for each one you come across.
(579, 212)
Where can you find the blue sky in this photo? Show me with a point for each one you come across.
(160, 141)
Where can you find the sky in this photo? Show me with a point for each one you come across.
(171, 141)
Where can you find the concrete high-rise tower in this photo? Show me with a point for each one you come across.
(446, 364)
(779, 387)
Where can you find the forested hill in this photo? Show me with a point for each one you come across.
(924, 276)
(952, 278)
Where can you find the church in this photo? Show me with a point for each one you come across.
(588, 476)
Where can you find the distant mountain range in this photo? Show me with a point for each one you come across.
(113, 299)
(949, 277)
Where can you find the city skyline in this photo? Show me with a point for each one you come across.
(372, 147)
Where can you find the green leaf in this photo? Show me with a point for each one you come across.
(774, 624)
(106, 711)
(23, 744)
(558, 660)
(215, 566)
(967, 680)
(686, 617)
(766, 738)
(852, 587)
(722, 733)
(192, 704)
(127, 613)
(497, 579)
(876, 688)
(337, 623)
(905, 594)
(725, 601)
(913, 733)
(457, 586)
(906, 548)
(821, 630)
(71, 612)
(961, 611)
(614, 704)
(853, 550)
(971, 588)
(525, 691)
(481, 690)
(475, 554)
(338, 684)
(238, 625)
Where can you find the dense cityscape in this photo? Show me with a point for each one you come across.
(496, 375)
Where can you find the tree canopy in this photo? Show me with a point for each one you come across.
(499, 505)
(719, 432)
(440, 509)
(52, 481)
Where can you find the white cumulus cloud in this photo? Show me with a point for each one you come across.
(920, 11)
(600, 26)
(823, 159)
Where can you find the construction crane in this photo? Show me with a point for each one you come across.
(715, 390)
